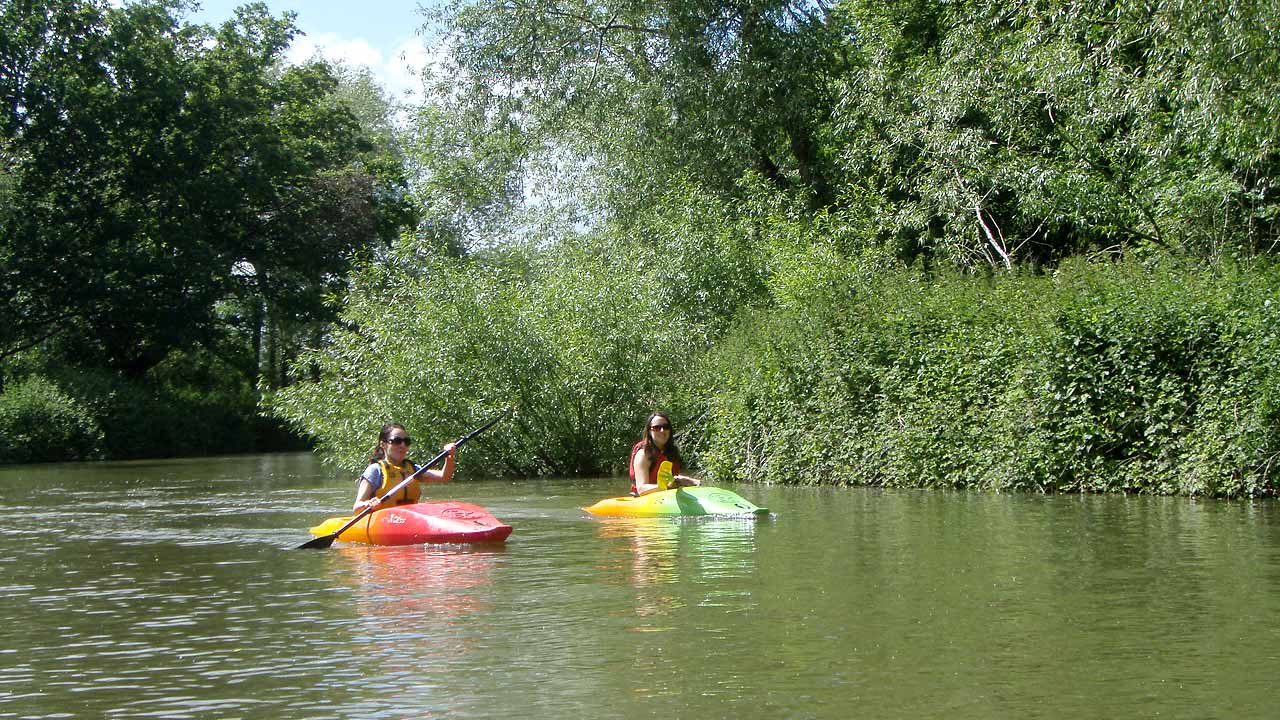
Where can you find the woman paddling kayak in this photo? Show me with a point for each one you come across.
(656, 447)
(389, 464)
(405, 522)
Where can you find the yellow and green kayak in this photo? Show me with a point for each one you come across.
(681, 501)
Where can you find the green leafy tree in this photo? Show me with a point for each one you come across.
(175, 185)
(991, 134)
(642, 93)
(977, 134)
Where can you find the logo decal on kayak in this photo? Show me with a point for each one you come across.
(461, 514)
(396, 519)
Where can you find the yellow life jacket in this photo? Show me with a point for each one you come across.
(392, 475)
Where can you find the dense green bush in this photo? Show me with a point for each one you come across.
(190, 404)
(1098, 377)
(41, 423)
(840, 367)
(143, 421)
(579, 346)
(1172, 374)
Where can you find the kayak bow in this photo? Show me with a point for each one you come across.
(681, 501)
(420, 523)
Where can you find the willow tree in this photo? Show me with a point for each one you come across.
(642, 92)
(990, 133)
(976, 133)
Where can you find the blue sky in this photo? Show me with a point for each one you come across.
(379, 34)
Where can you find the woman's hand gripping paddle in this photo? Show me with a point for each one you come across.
(325, 541)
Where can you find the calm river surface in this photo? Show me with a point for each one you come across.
(173, 589)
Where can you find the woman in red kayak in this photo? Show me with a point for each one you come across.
(656, 447)
(389, 464)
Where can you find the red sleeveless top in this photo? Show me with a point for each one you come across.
(653, 466)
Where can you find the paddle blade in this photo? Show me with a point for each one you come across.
(319, 543)
(665, 477)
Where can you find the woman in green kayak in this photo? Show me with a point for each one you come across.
(658, 446)
(389, 464)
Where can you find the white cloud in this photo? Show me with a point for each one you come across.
(398, 72)
(335, 47)
(398, 69)
(403, 72)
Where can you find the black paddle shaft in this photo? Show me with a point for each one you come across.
(325, 541)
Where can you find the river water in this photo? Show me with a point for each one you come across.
(174, 589)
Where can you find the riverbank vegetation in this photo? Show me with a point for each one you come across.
(916, 243)
(175, 206)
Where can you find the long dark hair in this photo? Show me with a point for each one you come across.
(378, 453)
(650, 449)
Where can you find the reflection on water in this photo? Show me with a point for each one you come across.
(417, 581)
(718, 544)
(414, 603)
(172, 589)
(663, 551)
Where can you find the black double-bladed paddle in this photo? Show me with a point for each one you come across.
(325, 541)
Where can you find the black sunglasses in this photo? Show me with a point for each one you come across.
(406, 441)
(659, 427)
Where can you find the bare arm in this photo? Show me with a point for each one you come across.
(364, 496)
(640, 467)
(445, 473)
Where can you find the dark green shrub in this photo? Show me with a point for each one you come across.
(39, 422)
(177, 410)
(1151, 382)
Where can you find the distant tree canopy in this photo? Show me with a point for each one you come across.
(977, 133)
(165, 186)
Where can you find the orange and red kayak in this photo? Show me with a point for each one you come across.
(420, 523)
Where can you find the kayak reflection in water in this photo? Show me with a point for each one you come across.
(389, 464)
(655, 460)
